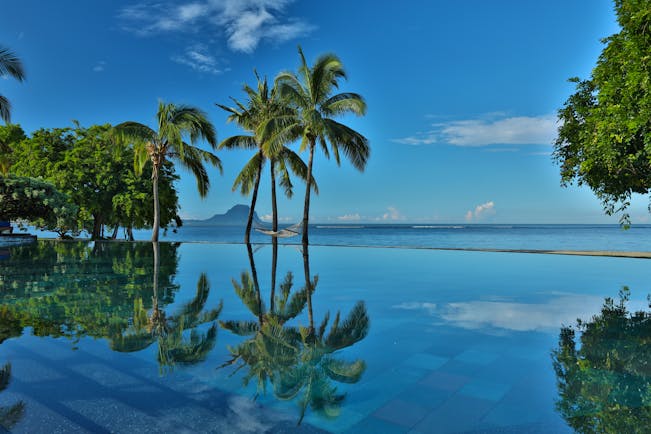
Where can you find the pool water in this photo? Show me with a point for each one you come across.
(135, 337)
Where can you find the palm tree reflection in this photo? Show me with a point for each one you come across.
(168, 332)
(604, 385)
(298, 362)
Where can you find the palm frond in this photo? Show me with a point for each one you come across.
(5, 109)
(343, 371)
(343, 103)
(245, 180)
(353, 145)
(246, 291)
(239, 142)
(354, 328)
(11, 65)
(240, 328)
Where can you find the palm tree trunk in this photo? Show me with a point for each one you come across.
(114, 235)
(156, 250)
(274, 265)
(154, 179)
(130, 234)
(254, 275)
(308, 286)
(308, 185)
(254, 199)
(274, 205)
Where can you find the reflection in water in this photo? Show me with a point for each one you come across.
(167, 332)
(605, 384)
(9, 416)
(105, 290)
(298, 362)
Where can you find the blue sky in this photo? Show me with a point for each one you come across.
(461, 95)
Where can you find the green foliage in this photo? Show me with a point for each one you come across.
(310, 93)
(97, 174)
(604, 138)
(9, 135)
(37, 202)
(605, 385)
(175, 122)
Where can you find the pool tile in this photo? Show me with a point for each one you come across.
(444, 381)
(376, 426)
(477, 357)
(425, 361)
(457, 414)
(424, 396)
(485, 390)
(401, 413)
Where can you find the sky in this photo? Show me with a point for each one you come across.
(462, 96)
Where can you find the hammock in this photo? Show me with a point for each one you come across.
(290, 231)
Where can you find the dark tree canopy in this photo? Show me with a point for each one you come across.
(604, 140)
(604, 378)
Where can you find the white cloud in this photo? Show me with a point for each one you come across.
(392, 214)
(481, 211)
(198, 58)
(489, 130)
(559, 310)
(349, 217)
(243, 23)
(99, 66)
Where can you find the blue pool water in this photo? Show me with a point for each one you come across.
(126, 337)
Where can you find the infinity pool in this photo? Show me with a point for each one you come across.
(135, 337)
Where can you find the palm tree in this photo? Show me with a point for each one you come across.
(311, 93)
(263, 104)
(174, 122)
(10, 65)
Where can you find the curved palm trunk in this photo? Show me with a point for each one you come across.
(254, 199)
(254, 275)
(274, 205)
(154, 179)
(308, 184)
(308, 286)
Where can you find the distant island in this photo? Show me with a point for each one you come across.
(234, 217)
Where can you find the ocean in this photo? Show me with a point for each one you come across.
(480, 236)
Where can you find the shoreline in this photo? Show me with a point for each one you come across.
(602, 253)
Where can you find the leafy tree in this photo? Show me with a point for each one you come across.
(311, 93)
(97, 174)
(263, 105)
(604, 138)
(10, 65)
(604, 385)
(174, 122)
(9, 134)
(38, 202)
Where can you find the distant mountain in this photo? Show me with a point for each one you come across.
(233, 217)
